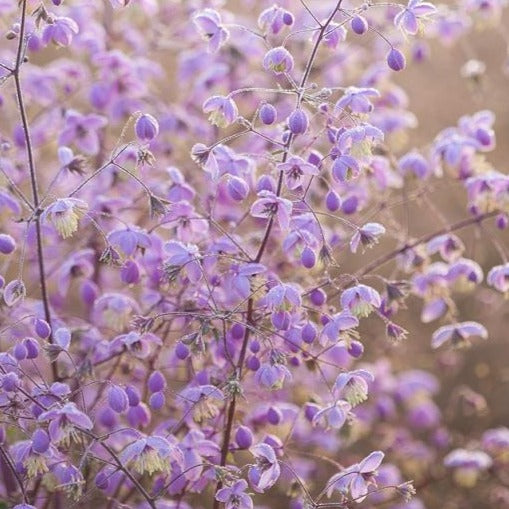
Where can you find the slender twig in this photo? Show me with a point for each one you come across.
(33, 176)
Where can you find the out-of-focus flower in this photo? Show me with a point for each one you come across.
(467, 465)
(209, 25)
(458, 334)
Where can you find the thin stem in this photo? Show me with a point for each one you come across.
(33, 176)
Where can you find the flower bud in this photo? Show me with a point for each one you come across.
(274, 416)
(298, 122)
(359, 25)
(237, 188)
(244, 437)
(133, 395)
(156, 382)
(332, 201)
(308, 257)
(396, 60)
(181, 351)
(308, 332)
(32, 348)
(157, 400)
(42, 328)
(20, 352)
(268, 114)
(117, 399)
(146, 128)
(7, 244)
(253, 363)
(318, 297)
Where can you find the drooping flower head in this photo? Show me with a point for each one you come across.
(278, 60)
(222, 110)
(360, 300)
(151, 454)
(458, 334)
(467, 465)
(357, 478)
(65, 214)
(264, 474)
(209, 25)
(65, 422)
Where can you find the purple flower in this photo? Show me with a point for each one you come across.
(61, 343)
(182, 256)
(333, 416)
(241, 279)
(208, 24)
(367, 235)
(275, 18)
(496, 442)
(448, 245)
(195, 447)
(467, 465)
(414, 162)
(498, 278)
(272, 375)
(360, 300)
(60, 30)
(337, 324)
(14, 291)
(409, 18)
(345, 168)
(283, 294)
(138, 345)
(151, 454)
(129, 239)
(278, 60)
(82, 131)
(114, 310)
(202, 400)
(65, 422)
(146, 127)
(458, 334)
(235, 497)
(223, 110)
(353, 385)
(357, 99)
(264, 474)
(65, 214)
(269, 205)
(294, 169)
(357, 478)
